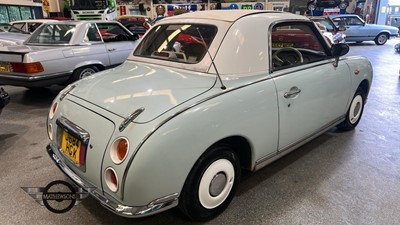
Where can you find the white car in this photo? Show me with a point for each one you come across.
(61, 52)
(20, 30)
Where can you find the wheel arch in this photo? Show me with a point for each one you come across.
(385, 32)
(365, 86)
(242, 148)
(99, 66)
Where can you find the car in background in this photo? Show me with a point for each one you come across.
(134, 23)
(28, 26)
(20, 30)
(357, 30)
(178, 125)
(314, 4)
(4, 27)
(61, 52)
(333, 33)
(4, 99)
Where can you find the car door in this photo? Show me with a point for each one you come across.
(312, 92)
(117, 41)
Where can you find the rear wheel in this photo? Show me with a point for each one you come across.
(83, 72)
(211, 184)
(381, 39)
(354, 112)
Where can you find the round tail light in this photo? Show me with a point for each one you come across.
(53, 110)
(111, 179)
(119, 150)
(50, 131)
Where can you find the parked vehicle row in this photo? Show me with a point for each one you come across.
(186, 113)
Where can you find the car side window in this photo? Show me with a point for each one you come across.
(294, 44)
(92, 34)
(111, 32)
(353, 21)
(33, 26)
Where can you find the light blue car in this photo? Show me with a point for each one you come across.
(176, 126)
(357, 30)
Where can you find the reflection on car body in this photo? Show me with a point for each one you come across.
(179, 124)
(65, 51)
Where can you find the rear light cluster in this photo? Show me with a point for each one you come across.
(111, 179)
(35, 67)
(118, 153)
(119, 150)
(52, 112)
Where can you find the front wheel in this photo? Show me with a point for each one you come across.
(354, 112)
(381, 39)
(211, 184)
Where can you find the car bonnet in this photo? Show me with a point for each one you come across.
(132, 86)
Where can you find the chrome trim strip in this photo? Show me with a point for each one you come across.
(74, 129)
(130, 118)
(156, 206)
(285, 150)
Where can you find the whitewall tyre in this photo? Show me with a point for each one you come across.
(211, 184)
(355, 111)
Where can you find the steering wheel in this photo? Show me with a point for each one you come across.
(121, 37)
(275, 55)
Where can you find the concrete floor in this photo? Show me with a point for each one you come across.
(338, 178)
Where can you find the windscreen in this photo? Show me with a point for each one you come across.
(89, 4)
(186, 43)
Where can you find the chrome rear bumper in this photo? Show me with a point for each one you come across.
(109, 202)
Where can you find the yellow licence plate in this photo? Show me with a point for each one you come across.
(5, 67)
(70, 146)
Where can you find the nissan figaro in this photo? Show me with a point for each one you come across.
(204, 96)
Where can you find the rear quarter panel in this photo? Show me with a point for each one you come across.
(167, 156)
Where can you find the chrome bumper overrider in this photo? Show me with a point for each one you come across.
(109, 202)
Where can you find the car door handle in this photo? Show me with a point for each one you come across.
(112, 49)
(293, 92)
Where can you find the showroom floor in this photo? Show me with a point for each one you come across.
(338, 178)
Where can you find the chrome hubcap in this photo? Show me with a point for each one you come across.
(217, 184)
(86, 72)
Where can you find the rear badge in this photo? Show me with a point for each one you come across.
(58, 196)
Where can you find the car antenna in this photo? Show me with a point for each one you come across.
(212, 61)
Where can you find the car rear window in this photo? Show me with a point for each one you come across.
(53, 34)
(186, 43)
